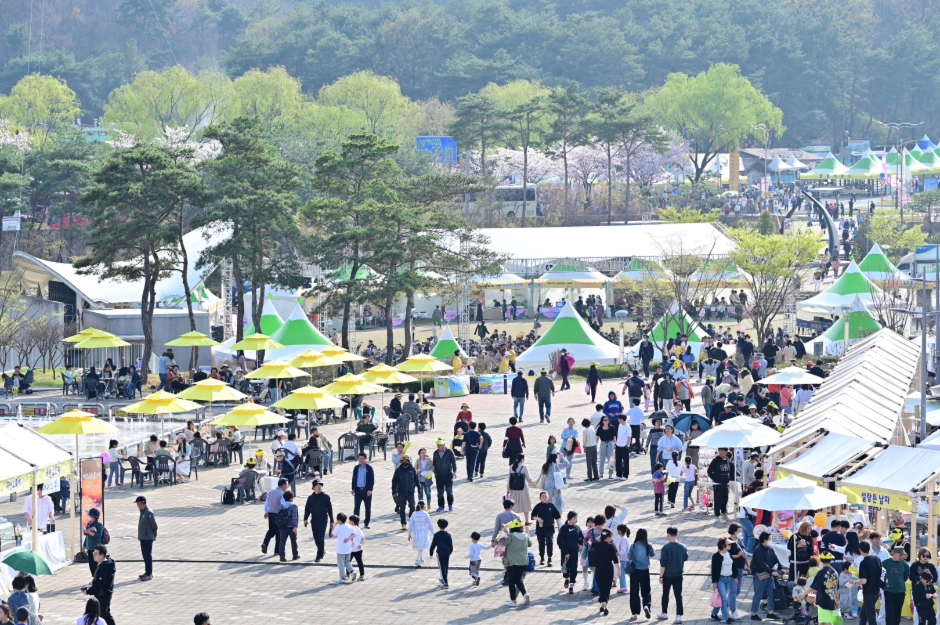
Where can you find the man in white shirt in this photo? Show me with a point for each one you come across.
(597, 416)
(345, 535)
(291, 446)
(45, 507)
(635, 419)
(279, 439)
(622, 449)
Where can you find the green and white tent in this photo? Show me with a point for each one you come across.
(297, 335)
(930, 160)
(882, 271)
(639, 270)
(866, 168)
(202, 295)
(569, 331)
(446, 346)
(829, 167)
(843, 291)
(674, 322)
(861, 325)
(271, 322)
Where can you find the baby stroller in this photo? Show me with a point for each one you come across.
(782, 595)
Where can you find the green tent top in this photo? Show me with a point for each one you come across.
(567, 268)
(297, 330)
(853, 281)
(828, 167)
(861, 324)
(571, 332)
(271, 322)
(672, 323)
(929, 158)
(344, 271)
(867, 167)
(446, 346)
(877, 267)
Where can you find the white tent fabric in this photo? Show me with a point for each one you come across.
(864, 395)
(792, 375)
(851, 284)
(827, 456)
(931, 442)
(573, 277)
(794, 163)
(737, 434)
(897, 469)
(778, 165)
(13, 471)
(569, 331)
(505, 280)
(52, 459)
(861, 324)
(793, 493)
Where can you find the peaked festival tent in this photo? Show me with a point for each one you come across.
(778, 165)
(861, 324)
(297, 335)
(843, 292)
(572, 276)
(882, 271)
(639, 270)
(930, 160)
(569, 331)
(794, 163)
(446, 346)
(926, 143)
(869, 167)
(673, 322)
(720, 274)
(506, 280)
(829, 167)
(271, 322)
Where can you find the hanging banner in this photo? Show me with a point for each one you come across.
(872, 497)
(92, 475)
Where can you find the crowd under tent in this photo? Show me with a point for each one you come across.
(571, 332)
(851, 284)
(863, 397)
(832, 341)
(673, 322)
(822, 458)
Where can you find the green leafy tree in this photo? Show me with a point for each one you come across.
(41, 104)
(897, 239)
(133, 233)
(568, 107)
(772, 266)
(388, 113)
(479, 122)
(765, 223)
(688, 215)
(713, 110)
(254, 195)
(636, 131)
(601, 124)
(274, 96)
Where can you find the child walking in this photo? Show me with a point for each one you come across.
(475, 555)
(689, 477)
(659, 489)
(848, 597)
(420, 532)
(623, 550)
(357, 542)
(444, 544)
(646, 397)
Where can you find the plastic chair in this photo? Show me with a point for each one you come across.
(200, 452)
(379, 441)
(237, 449)
(138, 472)
(164, 469)
(347, 442)
(313, 461)
(222, 455)
(251, 478)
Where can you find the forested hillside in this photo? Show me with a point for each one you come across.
(830, 65)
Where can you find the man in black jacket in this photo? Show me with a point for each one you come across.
(520, 392)
(646, 354)
(445, 471)
(871, 579)
(800, 347)
(102, 588)
(721, 472)
(319, 509)
(363, 482)
(570, 539)
(404, 484)
(770, 351)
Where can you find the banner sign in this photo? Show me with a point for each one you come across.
(22, 482)
(819, 326)
(92, 475)
(12, 222)
(871, 497)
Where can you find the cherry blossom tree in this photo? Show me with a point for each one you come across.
(10, 137)
(587, 165)
(509, 166)
(649, 166)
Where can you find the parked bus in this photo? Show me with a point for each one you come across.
(505, 200)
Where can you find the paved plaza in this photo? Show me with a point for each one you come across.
(208, 556)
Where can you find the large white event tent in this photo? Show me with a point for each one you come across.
(569, 331)
(827, 455)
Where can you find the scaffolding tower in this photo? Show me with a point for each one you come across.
(789, 314)
(316, 275)
(227, 310)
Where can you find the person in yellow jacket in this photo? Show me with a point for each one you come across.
(457, 363)
(512, 359)
(503, 364)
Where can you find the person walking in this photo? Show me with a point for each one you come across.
(765, 567)
(513, 441)
(604, 559)
(470, 448)
(485, 443)
(640, 553)
(358, 540)
(272, 505)
(345, 535)
(869, 578)
(443, 542)
(723, 580)
(146, 534)
(420, 532)
(672, 558)
(547, 518)
(721, 472)
(520, 392)
(404, 485)
(287, 521)
(622, 448)
(570, 540)
(594, 380)
(897, 571)
(645, 352)
(826, 585)
(445, 471)
(589, 443)
(606, 434)
(553, 478)
(102, 586)
(544, 390)
(319, 510)
(363, 482)
(635, 419)
(516, 559)
(565, 363)
(94, 532)
(517, 487)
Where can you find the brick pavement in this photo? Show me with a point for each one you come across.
(209, 559)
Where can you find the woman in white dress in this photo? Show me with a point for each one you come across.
(420, 532)
(183, 466)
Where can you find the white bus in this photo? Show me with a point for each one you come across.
(507, 199)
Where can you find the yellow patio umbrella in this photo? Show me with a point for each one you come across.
(341, 354)
(351, 384)
(76, 422)
(309, 398)
(383, 374)
(193, 339)
(312, 358)
(423, 363)
(81, 336)
(161, 403)
(211, 390)
(277, 369)
(247, 415)
(257, 342)
(101, 339)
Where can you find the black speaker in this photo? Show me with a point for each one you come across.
(217, 333)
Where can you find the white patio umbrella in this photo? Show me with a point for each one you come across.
(792, 375)
(793, 493)
(736, 433)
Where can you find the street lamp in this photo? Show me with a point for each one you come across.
(621, 316)
(897, 126)
(923, 355)
(846, 309)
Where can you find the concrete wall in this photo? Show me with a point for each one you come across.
(168, 324)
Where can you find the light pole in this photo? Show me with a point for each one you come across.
(897, 126)
(923, 355)
(846, 309)
(621, 316)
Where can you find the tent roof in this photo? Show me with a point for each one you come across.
(297, 330)
(843, 291)
(869, 166)
(926, 144)
(32, 447)
(794, 163)
(778, 165)
(877, 267)
(827, 456)
(271, 321)
(571, 332)
(447, 345)
(563, 275)
(673, 322)
(15, 469)
(506, 280)
(931, 442)
(897, 469)
(829, 166)
(861, 324)
(639, 270)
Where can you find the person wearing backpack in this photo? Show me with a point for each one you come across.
(94, 535)
(638, 568)
(287, 519)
